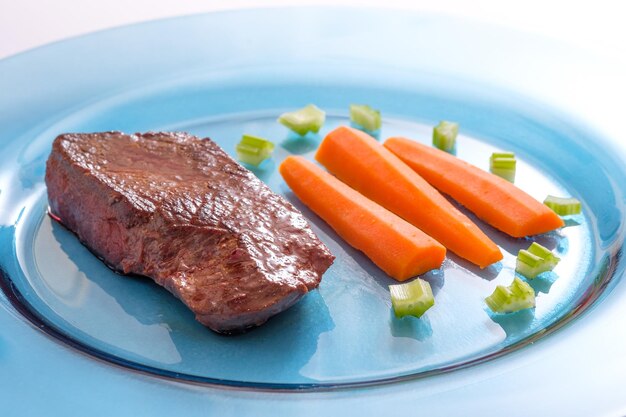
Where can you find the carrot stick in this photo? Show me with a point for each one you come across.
(491, 198)
(364, 164)
(398, 248)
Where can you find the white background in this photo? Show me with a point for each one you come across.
(598, 25)
(591, 25)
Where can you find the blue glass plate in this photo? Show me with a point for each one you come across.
(73, 329)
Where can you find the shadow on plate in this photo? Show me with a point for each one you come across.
(515, 325)
(298, 145)
(264, 171)
(542, 283)
(410, 327)
(273, 352)
(489, 273)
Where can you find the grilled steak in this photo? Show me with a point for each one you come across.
(179, 210)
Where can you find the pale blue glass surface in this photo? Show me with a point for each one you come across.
(199, 75)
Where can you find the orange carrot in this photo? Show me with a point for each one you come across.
(491, 198)
(397, 247)
(364, 164)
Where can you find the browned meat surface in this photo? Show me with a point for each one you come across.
(179, 210)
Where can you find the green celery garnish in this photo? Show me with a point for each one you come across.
(541, 251)
(503, 165)
(412, 298)
(253, 150)
(444, 135)
(517, 296)
(305, 120)
(562, 206)
(535, 260)
(366, 117)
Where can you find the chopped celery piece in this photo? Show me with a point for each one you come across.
(365, 117)
(503, 159)
(257, 142)
(562, 206)
(249, 155)
(305, 120)
(444, 135)
(253, 150)
(503, 164)
(517, 296)
(542, 252)
(411, 299)
(535, 260)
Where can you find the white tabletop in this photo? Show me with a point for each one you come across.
(26, 24)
